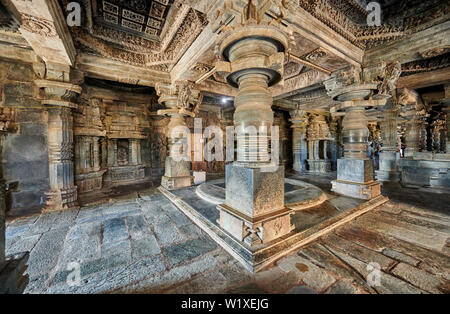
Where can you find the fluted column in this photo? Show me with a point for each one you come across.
(299, 145)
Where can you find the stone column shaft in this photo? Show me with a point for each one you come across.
(412, 136)
(299, 144)
(60, 148)
(355, 133)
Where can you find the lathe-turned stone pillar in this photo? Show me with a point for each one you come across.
(412, 135)
(252, 58)
(281, 122)
(355, 176)
(178, 99)
(299, 121)
(59, 97)
(389, 157)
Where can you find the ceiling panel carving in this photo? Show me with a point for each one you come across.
(143, 17)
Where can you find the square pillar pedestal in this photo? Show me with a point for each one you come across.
(254, 210)
(355, 179)
(177, 175)
(388, 167)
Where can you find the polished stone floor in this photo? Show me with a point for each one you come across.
(141, 243)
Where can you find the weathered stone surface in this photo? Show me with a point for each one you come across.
(145, 247)
(114, 230)
(51, 241)
(254, 191)
(418, 278)
(312, 275)
(166, 232)
(185, 251)
(388, 283)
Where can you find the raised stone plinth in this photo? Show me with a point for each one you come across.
(431, 172)
(355, 179)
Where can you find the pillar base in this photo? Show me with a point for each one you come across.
(62, 200)
(177, 175)
(388, 168)
(254, 209)
(172, 183)
(254, 231)
(355, 179)
(319, 166)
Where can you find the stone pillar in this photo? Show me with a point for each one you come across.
(178, 98)
(59, 98)
(389, 157)
(412, 136)
(335, 145)
(447, 111)
(252, 57)
(355, 175)
(299, 121)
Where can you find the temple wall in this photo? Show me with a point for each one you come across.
(25, 154)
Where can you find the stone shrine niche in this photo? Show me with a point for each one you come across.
(122, 152)
(116, 120)
(318, 138)
(89, 136)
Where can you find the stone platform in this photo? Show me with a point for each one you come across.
(312, 212)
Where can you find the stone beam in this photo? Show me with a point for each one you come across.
(45, 29)
(292, 85)
(203, 43)
(309, 27)
(425, 79)
(410, 47)
(103, 68)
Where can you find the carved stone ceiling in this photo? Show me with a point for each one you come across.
(140, 17)
(153, 33)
